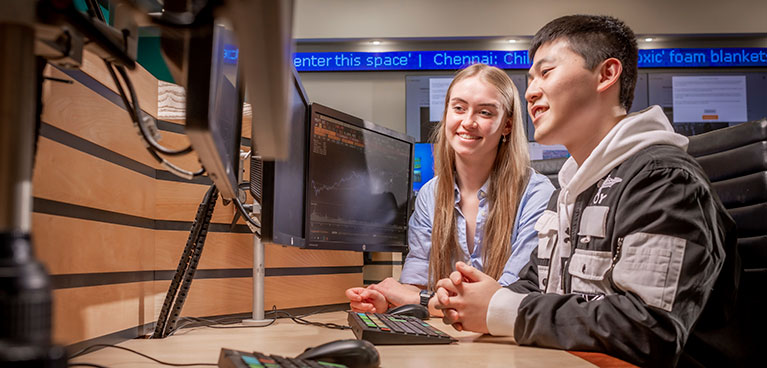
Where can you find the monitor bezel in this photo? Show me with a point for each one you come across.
(198, 126)
(269, 232)
(367, 125)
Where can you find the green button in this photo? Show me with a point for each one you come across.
(331, 364)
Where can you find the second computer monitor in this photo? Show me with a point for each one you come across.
(359, 184)
(280, 189)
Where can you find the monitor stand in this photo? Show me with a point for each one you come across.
(258, 285)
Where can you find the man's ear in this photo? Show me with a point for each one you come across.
(610, 72)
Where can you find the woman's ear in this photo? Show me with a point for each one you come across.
(610, 72)
(507, 127)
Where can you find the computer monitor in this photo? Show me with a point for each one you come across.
(359, 182)
(279, 185)
(423, 164)
(214, 105)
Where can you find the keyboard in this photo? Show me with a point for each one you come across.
(389, 329)
(241, 359)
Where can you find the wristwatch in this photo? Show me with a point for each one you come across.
(425, 297)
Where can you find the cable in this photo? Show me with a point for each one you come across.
(194, 322)
(138, 117)
(84, 351)
(147, 136)
(85, 365)
(132, 111)
(94, 10)
(212, 324)
(255, 226)
(301, 321)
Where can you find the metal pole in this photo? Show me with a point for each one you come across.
(258, 285)
(25, 302)
(17, 122)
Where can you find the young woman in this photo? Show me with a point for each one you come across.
(482, 204)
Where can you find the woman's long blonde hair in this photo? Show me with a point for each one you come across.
(508, 180)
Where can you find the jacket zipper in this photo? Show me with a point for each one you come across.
(551, 263)
(616, 257)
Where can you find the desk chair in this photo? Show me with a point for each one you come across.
(549, 167)
(735, 160)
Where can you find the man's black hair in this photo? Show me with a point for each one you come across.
(596, 38)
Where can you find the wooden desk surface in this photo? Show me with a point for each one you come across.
(286, 338)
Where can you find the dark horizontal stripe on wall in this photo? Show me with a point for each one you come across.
(208, 274)
(214, 228)
(56, 208)
(303, 271)
(171, 127)
(94, 85)
(115, 98)
(104, 153)
(83, 145)
(51, 207)
(168, 176)
(75, 280)
(383, 263)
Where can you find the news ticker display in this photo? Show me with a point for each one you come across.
(451, 60)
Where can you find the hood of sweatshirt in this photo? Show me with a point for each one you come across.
(632, 134)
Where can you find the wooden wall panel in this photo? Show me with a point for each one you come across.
(235, 295)
(382, 265)
(283, 256)
(302, 291)
(70, 245)
(88, 312)
(66, 175)
(143, 81)
(392, 257)
(222, 250)
(79, 110)
(102, 220)
(228, 250)
(377, 273)
(178, 201)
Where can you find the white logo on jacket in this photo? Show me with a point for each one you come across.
(605, 184)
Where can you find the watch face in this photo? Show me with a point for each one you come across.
(425, 296)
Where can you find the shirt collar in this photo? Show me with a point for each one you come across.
(482, 194)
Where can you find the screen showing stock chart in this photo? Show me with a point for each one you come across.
(359, 185)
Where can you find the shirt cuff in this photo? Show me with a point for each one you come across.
(502, 312)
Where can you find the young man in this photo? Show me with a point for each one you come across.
(635, 252)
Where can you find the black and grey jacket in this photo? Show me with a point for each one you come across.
(629, 252)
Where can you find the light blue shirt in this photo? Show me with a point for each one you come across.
(524, 238)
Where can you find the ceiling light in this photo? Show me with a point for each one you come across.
(376, 42)
(648, 39)
(512, 41)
